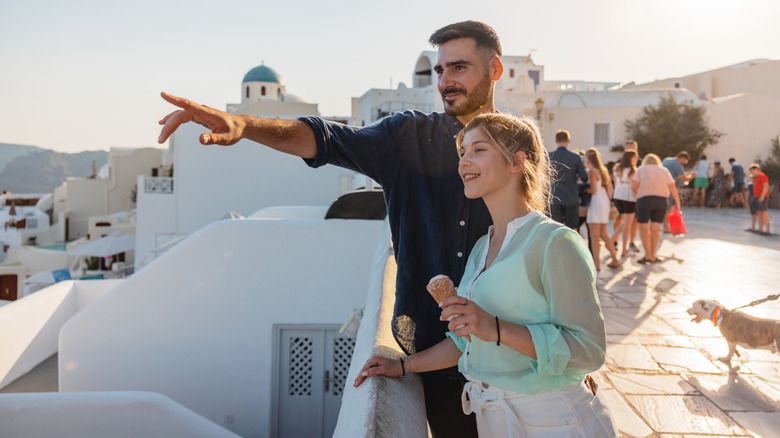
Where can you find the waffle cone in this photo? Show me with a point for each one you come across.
(441, 287)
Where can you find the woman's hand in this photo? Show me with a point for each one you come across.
(379, 366)
(467, 318)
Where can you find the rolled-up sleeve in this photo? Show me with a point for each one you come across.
(574, 342)
(363, 149)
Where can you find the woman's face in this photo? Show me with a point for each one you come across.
(482, 166)
(634, 160)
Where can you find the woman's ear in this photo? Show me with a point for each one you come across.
(518, 162)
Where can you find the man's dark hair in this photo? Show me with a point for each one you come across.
(683, 154)
(483, 34)
(731, 160)
(562, 135)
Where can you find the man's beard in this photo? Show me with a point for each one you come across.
(475, 98)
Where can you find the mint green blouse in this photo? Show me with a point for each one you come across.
(543, 278)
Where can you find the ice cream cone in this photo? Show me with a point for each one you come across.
(441, 287)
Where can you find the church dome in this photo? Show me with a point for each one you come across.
(262, 73)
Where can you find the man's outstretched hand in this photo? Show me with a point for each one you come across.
(226, 129)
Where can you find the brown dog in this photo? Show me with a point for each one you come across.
(738, 328)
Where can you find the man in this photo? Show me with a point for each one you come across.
(565, 206)
(413, 156)
(676, 166)
(738, 195)
(760, 197)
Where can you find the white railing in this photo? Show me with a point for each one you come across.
(380, 407)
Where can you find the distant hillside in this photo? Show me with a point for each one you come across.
(8, 152)
(41, 171)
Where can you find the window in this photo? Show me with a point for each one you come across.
(262, 91)
(602, 134)
(247, 92)
(511, 72)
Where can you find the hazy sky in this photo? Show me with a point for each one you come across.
(83, 75)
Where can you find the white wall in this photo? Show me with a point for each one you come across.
(100, 415)
(212, 180)
(31, 325)
(155, 222)
(196, 324)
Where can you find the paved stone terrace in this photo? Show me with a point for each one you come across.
(662, 377)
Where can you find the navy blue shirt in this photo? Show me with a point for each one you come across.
(568, 166)
(434, 226)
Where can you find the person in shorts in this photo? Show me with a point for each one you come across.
(653, 184)
(738, 195)
(701, 182)
(760, 197)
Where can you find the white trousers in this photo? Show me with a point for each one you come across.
(572, 411)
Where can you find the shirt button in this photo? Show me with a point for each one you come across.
(460, 254)
(462, 223)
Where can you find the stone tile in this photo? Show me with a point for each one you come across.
(619, 321)
(768, 384)
(760, 424)
(714, 347)
(768, 370)
(655, 326)
(681, 414)
(684, 324)
(606, 301)
(666, 285)
(651, 384)
(601, 379)
(682, 359)
(733, 392)
(687, 435)
(664, 340)
(627, 357)
(665, 308)
(626, 420)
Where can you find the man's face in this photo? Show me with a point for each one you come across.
(464, 77)
(754, 172)
(682, 160)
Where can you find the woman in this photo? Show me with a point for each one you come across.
(719, 188)
(652, 183)
(624, 197)
(598, 213)
(523, 334)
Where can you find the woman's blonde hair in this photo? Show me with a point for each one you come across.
(510, 135)
(651, 159)
(593, 156)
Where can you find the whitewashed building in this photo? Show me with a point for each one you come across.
(742, 101)
(211, 183)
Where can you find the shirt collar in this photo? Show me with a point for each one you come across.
(513, 226)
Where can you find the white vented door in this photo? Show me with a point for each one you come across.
(312, 371)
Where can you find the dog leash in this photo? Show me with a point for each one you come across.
(769, 298)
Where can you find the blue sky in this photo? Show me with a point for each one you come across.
(86, 75)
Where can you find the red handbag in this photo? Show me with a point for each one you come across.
(676, 223)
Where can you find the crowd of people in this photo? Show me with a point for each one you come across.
(640, 198)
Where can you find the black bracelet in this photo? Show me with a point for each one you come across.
(403, 370)
(498, 330)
